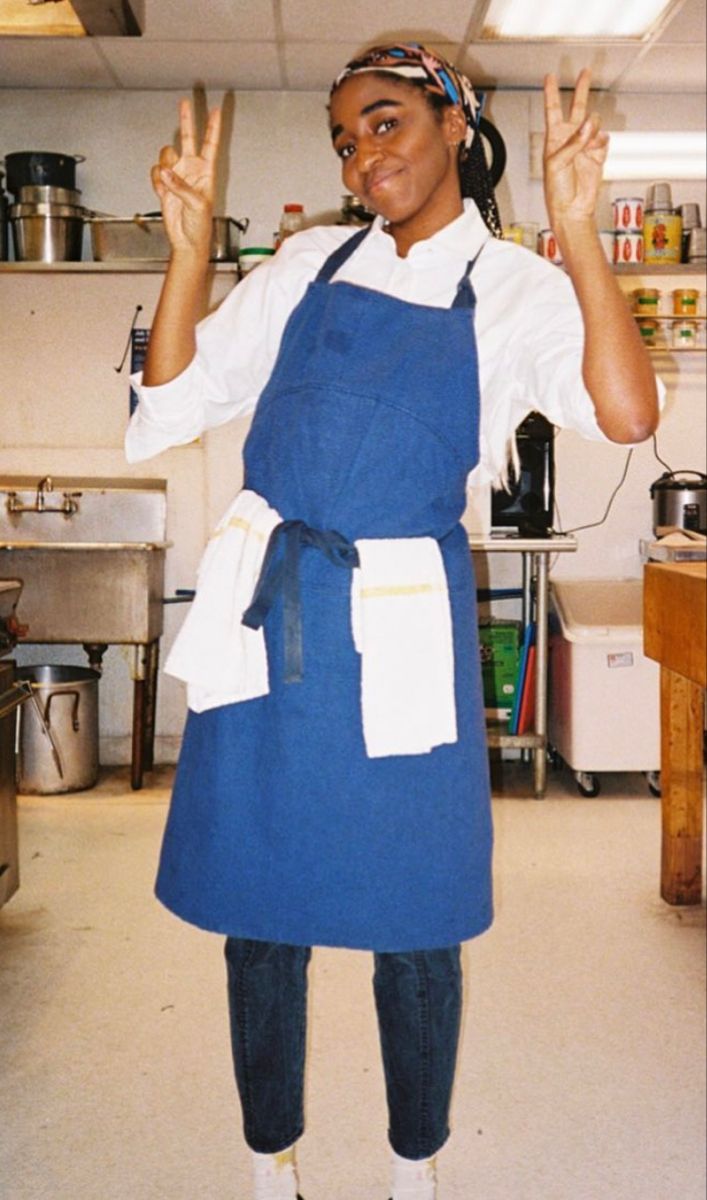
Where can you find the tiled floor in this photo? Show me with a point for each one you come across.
(582, 1064)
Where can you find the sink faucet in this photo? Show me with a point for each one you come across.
(68, 506)
(44, 485)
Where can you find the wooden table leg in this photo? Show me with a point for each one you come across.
(681, 785)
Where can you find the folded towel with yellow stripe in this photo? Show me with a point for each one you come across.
(402, 629)
(221, 660)
(401, 625)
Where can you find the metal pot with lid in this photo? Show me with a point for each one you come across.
(679, 502)
(42, 168)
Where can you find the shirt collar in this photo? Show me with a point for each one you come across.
(461, 238)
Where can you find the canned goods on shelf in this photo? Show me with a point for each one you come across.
(628, 248)
(659, 197)
(697, 245)
(685, 302)
(662, 232)
(646, 301)
(628, 213)
(548, 247)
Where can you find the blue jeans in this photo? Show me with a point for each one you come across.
(418, 1000)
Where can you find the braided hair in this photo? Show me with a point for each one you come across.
(442, 86)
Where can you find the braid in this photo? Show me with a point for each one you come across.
(474, 174)
(475, 180)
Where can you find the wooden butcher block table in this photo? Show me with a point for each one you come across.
(675, 627)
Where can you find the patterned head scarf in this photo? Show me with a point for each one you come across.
(416, 64)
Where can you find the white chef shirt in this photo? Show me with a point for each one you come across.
(528, 328)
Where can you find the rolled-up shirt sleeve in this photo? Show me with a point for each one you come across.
(531, 348)
(236, 347)
(555, 349)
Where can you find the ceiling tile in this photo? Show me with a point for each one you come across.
(689, 26)
(311, 66)
(667, 69)
(220, 20)
(185, 64)
(525, 64)
(368, 21)
(233, 44)
(52, 62)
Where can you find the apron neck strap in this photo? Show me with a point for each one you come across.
(466, 297)
(339, 257)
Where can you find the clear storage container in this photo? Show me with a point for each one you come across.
(604, 700)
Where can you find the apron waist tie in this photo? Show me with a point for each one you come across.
(280, 573)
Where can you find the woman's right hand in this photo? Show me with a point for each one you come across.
(185, 184)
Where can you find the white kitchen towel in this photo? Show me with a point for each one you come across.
(402, 628)
(221, 660)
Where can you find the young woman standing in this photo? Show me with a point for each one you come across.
(333, 785)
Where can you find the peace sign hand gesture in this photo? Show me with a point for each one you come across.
(575, 153)
(185, 183)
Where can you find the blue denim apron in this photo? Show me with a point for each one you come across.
(281, 828)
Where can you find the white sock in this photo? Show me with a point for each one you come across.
(414, 1180)
(274, 1175)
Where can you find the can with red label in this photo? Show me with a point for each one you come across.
(628, 214)
(628, 248)
(548, 247)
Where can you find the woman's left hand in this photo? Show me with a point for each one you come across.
(575, 153)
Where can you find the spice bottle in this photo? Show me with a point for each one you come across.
(291, 221)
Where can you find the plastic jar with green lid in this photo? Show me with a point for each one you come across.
(252, 256)
(646, 301)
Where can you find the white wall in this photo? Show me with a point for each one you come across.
(64, 407)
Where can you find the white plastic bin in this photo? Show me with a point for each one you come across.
(604, 704)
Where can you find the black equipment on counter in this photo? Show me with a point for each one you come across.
(527, 506)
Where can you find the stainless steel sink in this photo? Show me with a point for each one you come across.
(67, 509)
(91, 554)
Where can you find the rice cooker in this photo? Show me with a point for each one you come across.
(679, 501)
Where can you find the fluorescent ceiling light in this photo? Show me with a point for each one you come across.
(657, 156)
(645, 155)
(572, 19)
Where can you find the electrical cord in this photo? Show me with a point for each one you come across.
(596, 524)
(682, 471)
(662, 461)
(136, 314)
(612, 497)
